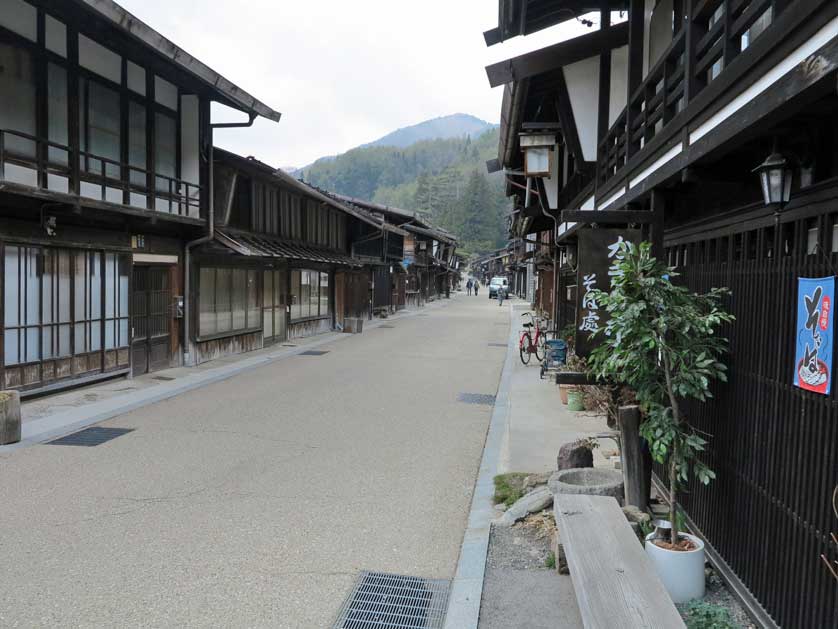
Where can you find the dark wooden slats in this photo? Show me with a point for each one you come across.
(773, 446)
(699, 52)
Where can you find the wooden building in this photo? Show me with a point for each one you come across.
(105, 176)
(655, 121)
(282, 263)
(421, 266)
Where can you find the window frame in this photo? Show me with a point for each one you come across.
(79, 344)
(295, 299)
(257, 312)
(45, 161)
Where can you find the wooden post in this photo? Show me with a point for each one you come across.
(635, 459)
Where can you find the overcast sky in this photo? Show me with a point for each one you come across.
(342, 72)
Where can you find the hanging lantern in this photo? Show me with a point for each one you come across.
(775, 176)
(539, 151)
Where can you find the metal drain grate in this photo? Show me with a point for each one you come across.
(313, 352)
(393, 601)
(163, 378)
(497, 344)
(288, 345)
(387, 326)
(90, 437)
(476, 398)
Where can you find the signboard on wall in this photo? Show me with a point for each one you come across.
(815, 326)
(598, 249)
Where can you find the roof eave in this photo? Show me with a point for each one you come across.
(229, 92)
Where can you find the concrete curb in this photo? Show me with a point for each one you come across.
(467, 587)
(65, 422)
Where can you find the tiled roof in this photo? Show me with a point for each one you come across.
(265, 247)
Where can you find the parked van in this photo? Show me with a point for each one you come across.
(496, 283)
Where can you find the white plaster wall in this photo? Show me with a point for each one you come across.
(582, 80)
(619, 83)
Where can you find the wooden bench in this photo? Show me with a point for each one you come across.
(615, 583)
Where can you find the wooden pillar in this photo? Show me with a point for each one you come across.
(634, 458)
(658, 203)
(635, 67)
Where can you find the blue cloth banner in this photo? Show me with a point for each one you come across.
(815, 325)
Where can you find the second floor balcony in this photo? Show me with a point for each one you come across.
(98, 110)
(27, 161)
(695, 69)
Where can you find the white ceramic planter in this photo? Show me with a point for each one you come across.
(682, 572)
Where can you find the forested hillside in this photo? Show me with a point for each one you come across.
(445, 178)
(453, 126)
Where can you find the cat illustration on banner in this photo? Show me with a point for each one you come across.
(815, 323)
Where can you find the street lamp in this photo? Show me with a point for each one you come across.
(775, 176)
(538, 153)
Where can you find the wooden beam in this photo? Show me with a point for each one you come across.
(611, 217)
(604, 100)
(567, 120)
(576, 378)
(557, 55)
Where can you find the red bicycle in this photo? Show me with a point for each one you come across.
(527, 345)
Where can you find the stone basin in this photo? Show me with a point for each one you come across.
(590, 481)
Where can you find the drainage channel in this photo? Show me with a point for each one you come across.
(90, 437)
(379, 600)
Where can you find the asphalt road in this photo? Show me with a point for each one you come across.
(255, 502)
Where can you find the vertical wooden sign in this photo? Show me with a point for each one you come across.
(598, 249)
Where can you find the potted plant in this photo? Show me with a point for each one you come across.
(662, 341)
(575, 398)
(573, 363)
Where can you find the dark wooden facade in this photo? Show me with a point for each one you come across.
(706, 100)
(104, 138)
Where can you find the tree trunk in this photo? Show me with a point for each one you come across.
(673, 496)
(673, 454)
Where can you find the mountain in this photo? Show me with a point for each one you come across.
(453, 126)
(444, 178)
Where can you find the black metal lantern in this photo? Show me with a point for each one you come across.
(775, 177)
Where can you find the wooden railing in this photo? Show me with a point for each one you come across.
(47, 159)
(713, 34)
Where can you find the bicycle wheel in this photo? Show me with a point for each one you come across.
(524, 348)
(540, 348)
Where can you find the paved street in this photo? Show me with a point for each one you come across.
(255, 501)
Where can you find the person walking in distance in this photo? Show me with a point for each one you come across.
(468, 286)
(501, 295)
(476, 286)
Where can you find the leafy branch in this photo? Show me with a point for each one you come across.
(662, 341)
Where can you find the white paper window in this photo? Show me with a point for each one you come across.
(137, 150)
(206, 287)
(58, 116)
(296, 279)
(239, 299)
(165, 93)
(99, 59)
(135, 78)
(56, 36)
(19, 17)
(101, 134)
(17, 98)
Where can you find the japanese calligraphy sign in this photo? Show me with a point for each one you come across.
(598, 250)
(815, 325)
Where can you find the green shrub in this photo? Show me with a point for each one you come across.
(702, 615)
(509, 487)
